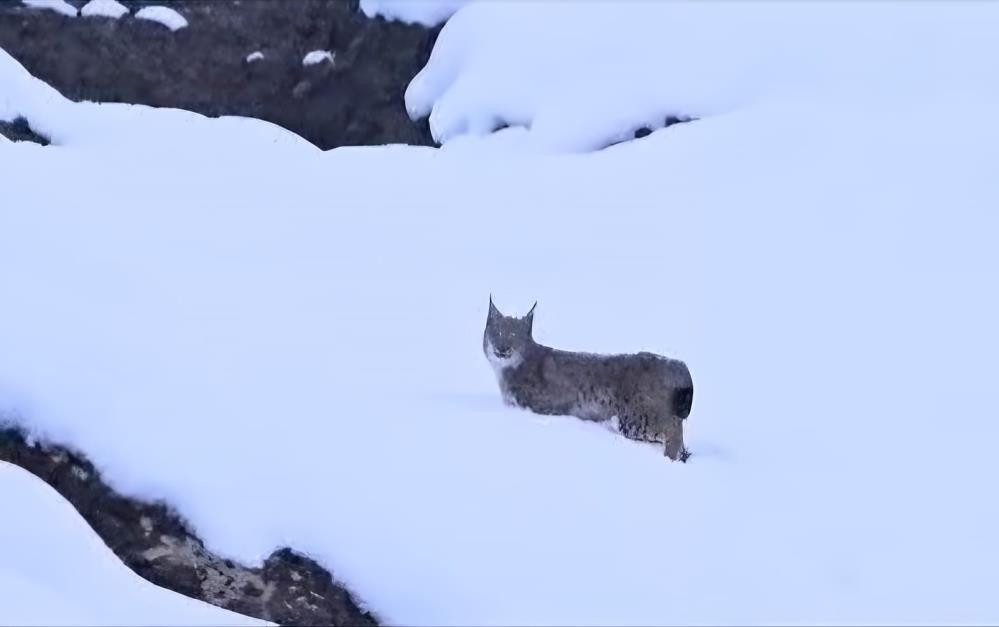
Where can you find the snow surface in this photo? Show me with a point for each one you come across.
(57, 571)
(164, 15)
(104, 8)
(819, 248)
(426, 12)
(254, 56)
(317, 56)
(59, 6)
(584, 75)
(118, 127)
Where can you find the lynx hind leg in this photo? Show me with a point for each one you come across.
(673, 439)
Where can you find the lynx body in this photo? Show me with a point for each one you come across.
(650, 395)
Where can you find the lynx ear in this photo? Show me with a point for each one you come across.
(530, 317)
(493, 312)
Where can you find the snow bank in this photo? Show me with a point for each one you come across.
(59, 6)
(57, 571)
(104, 8)
(582, 76)
(163, 15)
(317, 56)
(124, 126)
(426, 12)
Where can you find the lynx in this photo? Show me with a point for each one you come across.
(649, 395)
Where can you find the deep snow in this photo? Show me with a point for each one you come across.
(583, 75)
(287, 344)
(57, 571)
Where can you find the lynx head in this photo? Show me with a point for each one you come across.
(506, 339)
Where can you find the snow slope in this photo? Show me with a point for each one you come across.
(288, 346)
(57, 571)
(583, 75)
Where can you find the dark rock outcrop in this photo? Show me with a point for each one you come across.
(19, 130)
(355, 100)
(156, 543)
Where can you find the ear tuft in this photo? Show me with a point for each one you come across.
(493, 312)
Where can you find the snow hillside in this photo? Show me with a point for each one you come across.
(57, 571)
(818, 252)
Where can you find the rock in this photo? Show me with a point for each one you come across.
(357, 100)
(18, 130)
(156, 543)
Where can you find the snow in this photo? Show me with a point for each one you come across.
(164, 15)
(426, 12)
(304, 328)
(59, 6)
(317, 56)
(116, 126)
(584, 75)
(104, 8)
(254, 56)
(57, 571)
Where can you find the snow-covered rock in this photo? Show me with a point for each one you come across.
(59, 6)
(318, 56)
(425, 12)
(154, 542)
(205, 70)
(56, 571)
(104, 8)
(162, 15)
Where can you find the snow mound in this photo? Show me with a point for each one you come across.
(124, 126)
(59, 6)
(317, 56)
(162, 15)
(104, 8)
(57, 571)
(426, 12)
(585, 75)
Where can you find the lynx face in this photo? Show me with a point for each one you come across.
(506, 339)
